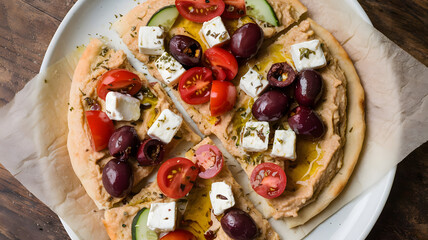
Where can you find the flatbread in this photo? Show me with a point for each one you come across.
(87, 163)
(287, 12)
(118, 220)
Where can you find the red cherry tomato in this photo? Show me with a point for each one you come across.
(195, 85)
(222, 60)
(101, 128)
(268, 180)
(179, 234)
(118, 80)
(223, 97)
(199, 10)
(210, 161)
(234, 9)
(176, 177)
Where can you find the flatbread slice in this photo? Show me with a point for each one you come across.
(97, 59)
(287, 12)
(317, 162)
(196, 215)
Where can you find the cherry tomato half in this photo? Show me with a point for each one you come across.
(210, 161)
(223, 97)
(268, 180)
(234, 9)
(179, 234)
(200, 10)
(195, 85)
(222, 60)
(118, 80)
(101, 128)
(176, 177)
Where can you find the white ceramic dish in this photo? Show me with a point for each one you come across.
(93, 18)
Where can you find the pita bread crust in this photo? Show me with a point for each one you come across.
(87, 163)
(355, 130)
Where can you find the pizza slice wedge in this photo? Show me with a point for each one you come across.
(115, 112)
(204, 212)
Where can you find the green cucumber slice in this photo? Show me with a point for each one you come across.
(164, 17)
(261, 10)
(139, 228)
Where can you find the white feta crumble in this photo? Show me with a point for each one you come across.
(169, 68)
(252, 83)
(221, 197)
(255, 136)
(166, 126)
(122, 107)
(284, 144)
(308, 55)
(151, 40)
(162, 217)
(215, 32)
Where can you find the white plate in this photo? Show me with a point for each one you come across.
(93, 18)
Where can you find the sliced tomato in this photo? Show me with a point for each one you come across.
(221, 59)
(195, 85)
(234, 9)
(200, 10)
(118, 80)
(176, 177)
(223, 97)
(210, 161)
(101, 128)
(179, 234)
(268, 180)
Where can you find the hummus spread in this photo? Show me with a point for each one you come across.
(87, 163)
(196, 215)
(317, 162)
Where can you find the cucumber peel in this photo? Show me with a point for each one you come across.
(262, 10)
(164, 17)
(139, 228)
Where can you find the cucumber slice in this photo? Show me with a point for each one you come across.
(164, 17)
(140, 231)
(262, 10)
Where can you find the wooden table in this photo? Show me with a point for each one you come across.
(26, 28)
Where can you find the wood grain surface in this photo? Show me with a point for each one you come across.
(26, 28)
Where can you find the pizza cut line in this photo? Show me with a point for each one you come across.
(276, 88)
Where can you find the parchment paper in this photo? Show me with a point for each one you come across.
(34, 130)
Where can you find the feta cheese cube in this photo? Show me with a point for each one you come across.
(284, 144)
(252, 83)
(122, 107)
(308, 55)
(162, 217)
(255, 136)
(151, 40)
(221, 196)
(169, 68)
(215, 32)
(165, 126)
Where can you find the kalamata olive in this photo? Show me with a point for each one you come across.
(150, 152)
(306, 122)
(124, 143)
(246, 41)
(281, 75)
(239, 225)
(117, 178)
(186, 50)
(308, 88)
(270, 106)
